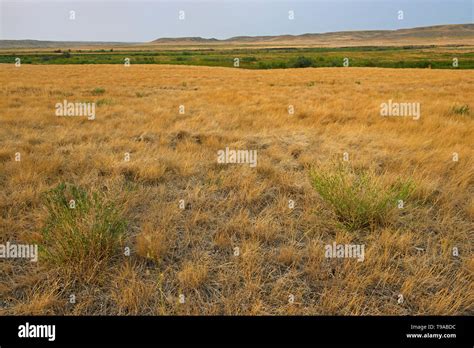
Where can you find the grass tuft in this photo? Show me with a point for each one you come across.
(98, 91)
(461, 109)
(82, 228)
(360, 198)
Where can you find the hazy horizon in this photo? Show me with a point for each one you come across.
(222, 39)
(144, 21)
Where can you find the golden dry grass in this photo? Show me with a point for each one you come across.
(173, 157)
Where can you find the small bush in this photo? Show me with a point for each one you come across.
(359, 198)
(461, 109)
(302, 62)
(83, 234)
(98, 91)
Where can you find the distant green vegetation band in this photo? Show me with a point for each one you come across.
(266, 58)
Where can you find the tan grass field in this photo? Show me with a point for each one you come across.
(173, 157)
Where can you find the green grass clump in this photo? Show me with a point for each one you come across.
(461, 109)
(360, 199)
(98, 91)
(302, 62)
(82, 234)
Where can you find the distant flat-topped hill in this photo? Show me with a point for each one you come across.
(186, 40)
(452, 34)
(441, 34)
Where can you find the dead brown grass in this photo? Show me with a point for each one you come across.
(191, 251)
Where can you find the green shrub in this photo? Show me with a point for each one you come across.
(98, 91)
(302, 62)
(359, 198)
(84, 233)
(461, 109)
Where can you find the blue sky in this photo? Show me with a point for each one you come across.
(141, 21)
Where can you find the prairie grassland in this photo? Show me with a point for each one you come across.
(173, 157)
